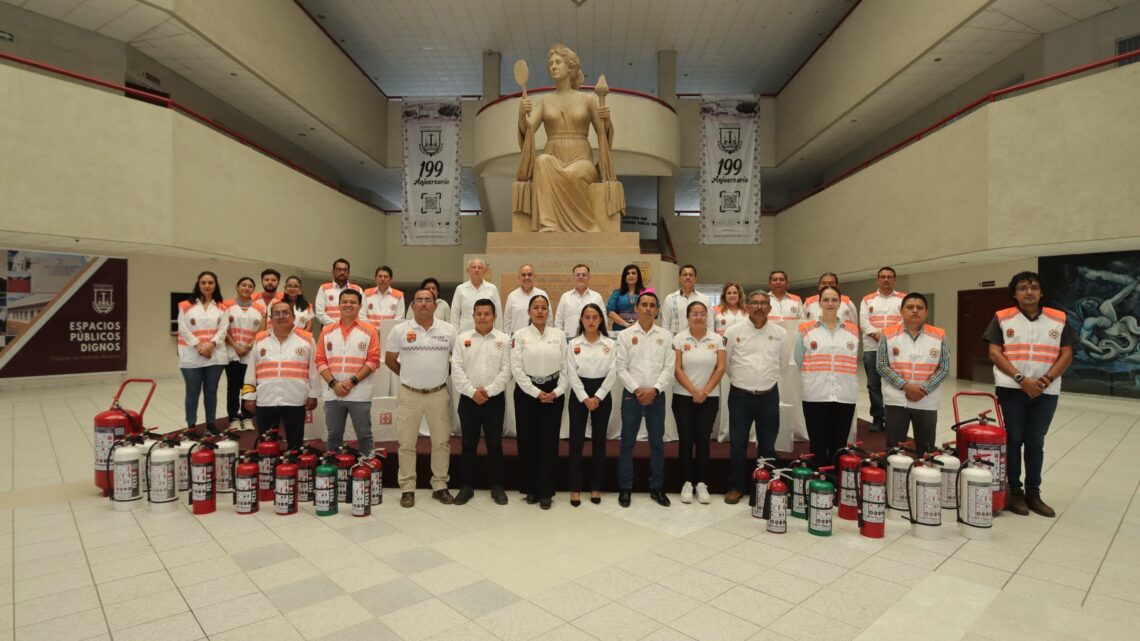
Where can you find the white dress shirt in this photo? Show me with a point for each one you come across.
(757, 358)
(726, 318)
(673, 317)
(698, 359)
(570, 307)
(463, 304)
(592, 360)
(539, 355)
(516, 315)
(645, 358)
(425, 354)
(479, 360)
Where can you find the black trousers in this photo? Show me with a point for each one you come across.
(599, 422)
(235, 378)
(538, 425)
(293, 417)
(828, 425)
(694, 427)
(488, 420)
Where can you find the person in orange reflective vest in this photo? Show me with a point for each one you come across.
(827, 351)
(281, 382)
(327, 305)
(880, 310)
(270, 279)
(202, 353)
(383, 302)
(246, 319)
(348, 353)
(847, 310)
(1031, 346)
(913, 359)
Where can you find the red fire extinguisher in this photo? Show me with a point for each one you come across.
(245, 485)
(268, 449)
(112, 425)
(872, 496)
(376, 465)
(345, 459)
(983, 436)
(202, 491)
(361, 479)
(307, 458)
(777, 502)
(849, 459)
(285, 486)
(761, 476)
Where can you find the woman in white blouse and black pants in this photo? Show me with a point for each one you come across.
(538, 362)
(591, 366)
(699, 367)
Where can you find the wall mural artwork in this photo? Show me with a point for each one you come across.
(1100, 294)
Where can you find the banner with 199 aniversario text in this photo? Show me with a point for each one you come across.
(730, 170)
(431, 171)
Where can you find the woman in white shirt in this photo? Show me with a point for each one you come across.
(303, 314)
(828, 355)
(442, 308)
(591, 366)
(698, 369)
(731, 308)
(202, 353)
(538, 362)
(246, 317)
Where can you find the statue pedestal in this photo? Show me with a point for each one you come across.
(626, 242)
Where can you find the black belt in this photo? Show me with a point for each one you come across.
(423, 391)
(763, 392)
(542, 380)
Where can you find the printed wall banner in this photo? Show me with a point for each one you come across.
(730, 170)
(62, 314)
(1100, 297)
(431, 171)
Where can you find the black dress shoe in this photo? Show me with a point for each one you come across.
(659, 496)
(623, 498)
(596, 500)
(545, 504)
(531, 499)
(498, 495)
(877, 427)
(464, 495)
(575, 502)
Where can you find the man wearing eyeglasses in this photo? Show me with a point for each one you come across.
(571, 303)
(419, 352)
(281, 381)
(881, 309)
(516, 317)
(327, 307)
(758, 355)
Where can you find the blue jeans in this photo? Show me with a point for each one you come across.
(874, 385)
(743, 410)
(204, 381)
(1026, 422)
(631, 413)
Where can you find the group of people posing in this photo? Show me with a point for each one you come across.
(586, 354)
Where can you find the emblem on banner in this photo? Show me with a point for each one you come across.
(104, 300)
(730, 201)
(431, 140)
(729, 141)
(430, 203)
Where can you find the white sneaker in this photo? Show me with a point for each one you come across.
(703, 493)
(247, 425)
(687, 492)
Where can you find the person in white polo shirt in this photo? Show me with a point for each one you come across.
(758, 356)
(913, 359)
(645, 366)
(570, 304)
(696, 397)
(281, 382)
(348, 353)
(480, 371)
(673, 310)
(475, 288)
(515, 314)
(419, 352)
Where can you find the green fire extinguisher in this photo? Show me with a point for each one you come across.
(324, 487)
(820, 503)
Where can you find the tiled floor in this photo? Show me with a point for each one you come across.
(71, 568)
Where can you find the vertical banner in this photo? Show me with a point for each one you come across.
(431, 171)
(62, 314)
(730, 170)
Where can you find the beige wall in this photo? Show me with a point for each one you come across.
(745, 264)
(57, 43)
(876, 41)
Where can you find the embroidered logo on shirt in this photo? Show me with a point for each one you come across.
(814, 345)
(712, 347)
(850, 346)
(369, 305)
(605, 350)
(688, 347)
(328, 345)
(498, 344)
(330, 298)
(300, 351)
(467, 342)
(362, 345)
(193, 322)
(895, 351)
(634, 341)
(577, 349)
(1009, 332)
(934, 352)
(1054, 333)
(660, 341)
(231, 319)
(262, 352)
(411, 337)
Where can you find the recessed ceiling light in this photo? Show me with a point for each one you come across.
(854, 120)
(321, 16)
(938, 60)
(301, 134)
(234, 74)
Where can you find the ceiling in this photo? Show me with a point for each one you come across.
(434, 47)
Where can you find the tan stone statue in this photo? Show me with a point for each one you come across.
(562, 189)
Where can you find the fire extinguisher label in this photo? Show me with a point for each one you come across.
(377, 494)
(183, 472)
(847, 487)
(265, 473)
(980, 504)
(928, 502)
(127, 481)
(246, 489)
(162, 482)
(324, 494)
(342, 484)
(898, 491)
(304, 482)
(797, 496)
(283, 496)
(104, 440)
(361, 505)
(223, 471)
(778, 514)
(821, 505)
(949, 489)
(761, 493)
(201, 482)
(994, 454)
(874, 503)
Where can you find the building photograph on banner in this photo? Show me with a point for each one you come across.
(730, 170)
(431, 171)
(62, 314)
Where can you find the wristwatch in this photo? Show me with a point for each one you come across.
(332, 383)
(1018, 377)
(355, 381)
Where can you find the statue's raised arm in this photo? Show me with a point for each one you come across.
(562, 189)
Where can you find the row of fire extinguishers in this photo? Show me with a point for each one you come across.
(164, 469)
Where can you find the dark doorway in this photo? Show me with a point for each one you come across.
(975, 309)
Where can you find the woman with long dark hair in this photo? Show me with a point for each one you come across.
(303, 314)
(622, 304)
(591, 368)
(202, 355)
(245, 318)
